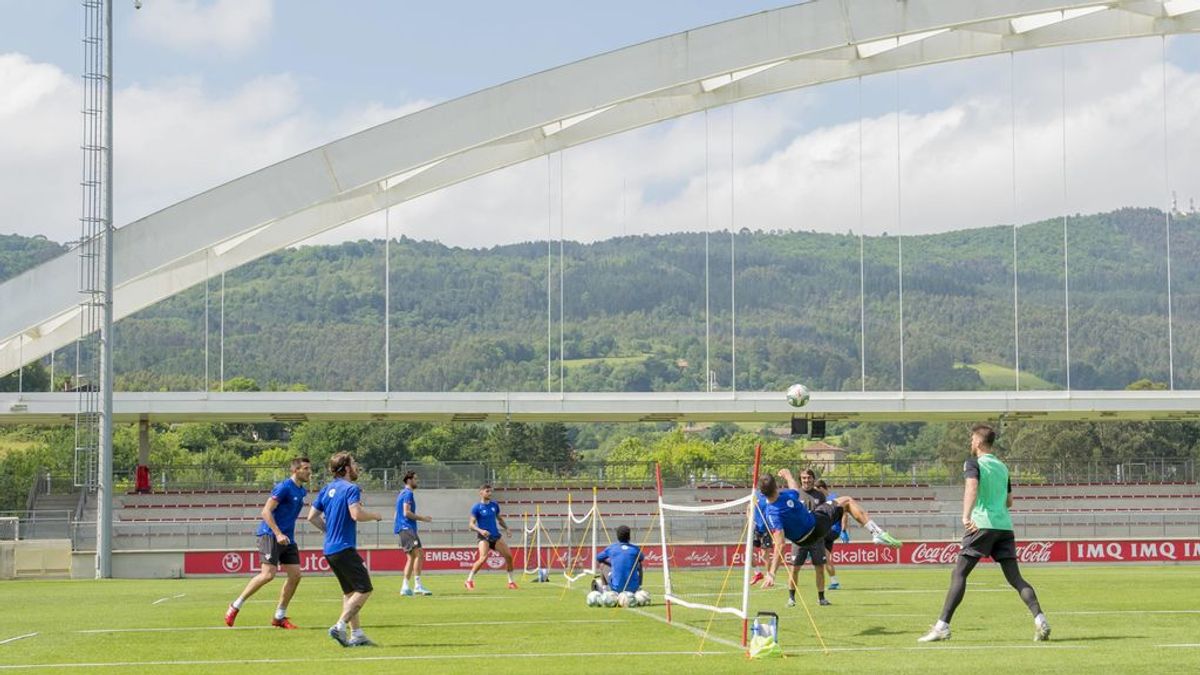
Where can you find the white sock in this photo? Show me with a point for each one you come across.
(237, 604)
(873, 528)
(418, 581)
(833, 579)
(340, 626)
(942, 625)
(404, 584)
(280, 612)
(358, 633)
(1039, 619)
(510, 579)
(470, 576)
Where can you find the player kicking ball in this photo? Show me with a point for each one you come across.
(336, 511)
(762, 535)
(789, 520)
(276, 536)
(987, 497)
(484, 518)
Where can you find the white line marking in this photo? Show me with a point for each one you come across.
(1191, 645)
(19, 637)
(186, 629)
(1132, 611)
(419, 657)
(942, 648)
(169, 597)
(691, 629)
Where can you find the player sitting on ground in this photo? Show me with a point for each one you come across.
(838, 531)
(336, 511)
(987, 497)
(410, 541)
(277, 543)
(624, 561)
(789, 520)
(484, 517)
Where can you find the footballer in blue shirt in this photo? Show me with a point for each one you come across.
(624, 561)
(486, 522)
(762, 536)
(410, 541)
(336, 511)
(276, 535)
(790, 520)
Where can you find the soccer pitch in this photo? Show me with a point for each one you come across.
(1105, 619)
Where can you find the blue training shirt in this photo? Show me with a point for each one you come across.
(626, 561)
(485, 517)
(334, 500)
(289, 500)
(402, 523)
(760, 513)
(789, 514)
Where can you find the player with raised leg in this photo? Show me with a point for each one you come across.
(276, 536)
(484, 518)
(336, 511)
(410, 541)
(987, 497)
(789, 520)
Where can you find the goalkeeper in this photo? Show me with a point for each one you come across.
(788, 518)
(624, 561)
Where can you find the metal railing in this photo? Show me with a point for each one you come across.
(641, 474)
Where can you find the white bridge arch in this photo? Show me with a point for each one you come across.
(789, 48)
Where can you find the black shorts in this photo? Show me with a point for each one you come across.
(350, 571)
(763, 540)
(815, 551)
(996, 544)
(490, 539)
(273, 554)
(825, 515)
(409, 539)
(830, 540)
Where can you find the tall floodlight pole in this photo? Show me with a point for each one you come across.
(104, 478)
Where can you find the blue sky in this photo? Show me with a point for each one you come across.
(208, 90)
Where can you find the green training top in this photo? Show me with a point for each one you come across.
(991, 504)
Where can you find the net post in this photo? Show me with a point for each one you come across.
(662, 533)
(749, 544)
(525, 542)
(537, 523)
(595, 520)
(568, 564)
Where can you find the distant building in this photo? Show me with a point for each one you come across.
(822, 456)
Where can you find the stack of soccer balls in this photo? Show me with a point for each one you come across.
(613, 599)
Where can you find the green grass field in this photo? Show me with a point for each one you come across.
(1105, 619)
(995, 376)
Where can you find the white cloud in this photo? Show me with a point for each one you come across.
(226, 26)
(955, 164)
(179, 138)
(173, 141)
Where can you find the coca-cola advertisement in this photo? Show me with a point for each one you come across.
(946, 552)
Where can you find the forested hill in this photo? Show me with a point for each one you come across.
(634, 311)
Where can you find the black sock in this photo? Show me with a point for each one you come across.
(820, 595)
(791, 594)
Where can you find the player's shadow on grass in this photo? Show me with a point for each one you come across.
(1096, 638)
(880, 630)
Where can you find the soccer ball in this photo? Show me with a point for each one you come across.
(595, 599)
(624, 599)
(797, 395)
(642, 598)
(610, 599)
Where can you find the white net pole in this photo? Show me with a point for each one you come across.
(662, 532)
(748, 544)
